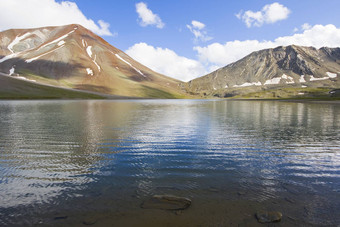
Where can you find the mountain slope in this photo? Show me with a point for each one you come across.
(291, 66)
(73, 57)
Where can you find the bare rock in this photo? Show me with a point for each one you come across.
(268, 216)
(90, 221)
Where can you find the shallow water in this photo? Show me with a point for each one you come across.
(95, 162)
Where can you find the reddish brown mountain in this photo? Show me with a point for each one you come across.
(74, 57)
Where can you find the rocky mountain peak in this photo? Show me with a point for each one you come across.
(281, 66)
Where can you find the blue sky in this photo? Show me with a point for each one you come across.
(218, 16)
(160, 33)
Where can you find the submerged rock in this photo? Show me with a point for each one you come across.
(90, 221)
(166, 202)
(268, 216)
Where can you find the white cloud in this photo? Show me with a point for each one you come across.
(306, 26)
(218, 54)
(147, 17)
(166, 61)
(197, 24)
(223, 54)
(41, 13)
(268, 15)
(198, 29)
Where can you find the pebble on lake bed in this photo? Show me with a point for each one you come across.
(166, 202)
(268, 216)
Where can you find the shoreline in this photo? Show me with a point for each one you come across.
(109, 97)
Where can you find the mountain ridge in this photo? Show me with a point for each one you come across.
(72, 56)
(275, 67)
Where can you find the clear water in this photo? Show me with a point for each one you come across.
(94, 162)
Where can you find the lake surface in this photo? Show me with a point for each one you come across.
(94, 162)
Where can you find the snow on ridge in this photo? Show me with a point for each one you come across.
(82, 41)
(39, 56)
(16, 40)
(89, 52)
(137, 70)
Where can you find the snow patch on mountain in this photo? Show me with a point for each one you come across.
(312, 78)
(247, 84)
(8, 57)
(40, 34)
(17, 40)
(289, 79)
(57, 40)
(302, 79)
(39, 56)
(128, 63)
(11, 71)
(62, 42)
(89, 71)
(275, 80)
(89, 52)
(94, 61)
(331, 75)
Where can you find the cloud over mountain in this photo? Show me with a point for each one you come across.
(216, 55)
(220, 54)
(37, 13)
(166, 61)
(269, 14)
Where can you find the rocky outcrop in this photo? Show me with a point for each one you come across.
(268, 216)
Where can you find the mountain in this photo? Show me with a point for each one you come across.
(290, 66)
(73, 57)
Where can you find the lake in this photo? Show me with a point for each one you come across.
(74, 163)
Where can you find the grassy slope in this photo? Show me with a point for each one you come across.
(11, 88)
(291, 93)
(121, 85)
